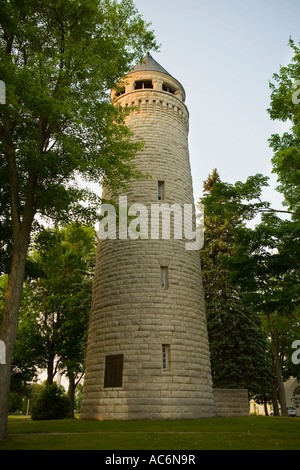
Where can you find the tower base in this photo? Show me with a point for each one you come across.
(147, 409)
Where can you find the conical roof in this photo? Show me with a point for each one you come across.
(149, 64)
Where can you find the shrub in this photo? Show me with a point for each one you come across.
(15, 402)
(51, 404)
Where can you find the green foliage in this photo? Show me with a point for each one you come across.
(58, 130)
(235, 202)
(51, 404)
(237, 341)
(59, 61)
(15, 402)
(286, 159)
(35, 390)
(56, 301)
(252, 272)
(265, 263)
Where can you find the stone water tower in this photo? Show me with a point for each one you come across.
(148, 353)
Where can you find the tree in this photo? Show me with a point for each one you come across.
(237, 341)
(264, 264)
(55, 308)
(58, 59)
(285, 106)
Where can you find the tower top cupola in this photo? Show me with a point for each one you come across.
(149, 64)
(149, 75)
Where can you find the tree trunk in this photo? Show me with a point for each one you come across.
(266, 407)
(21, 228)
(275, 400)
(71, 392)
(50, 369)
(281, 390)
(10, 323)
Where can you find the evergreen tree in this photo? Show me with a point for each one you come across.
(260, 264)
(237, 340)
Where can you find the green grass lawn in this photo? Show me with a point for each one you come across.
(253, 433)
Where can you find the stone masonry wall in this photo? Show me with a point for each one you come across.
(231, 403)
(131, 314)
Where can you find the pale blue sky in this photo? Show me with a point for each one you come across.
(224, 52)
